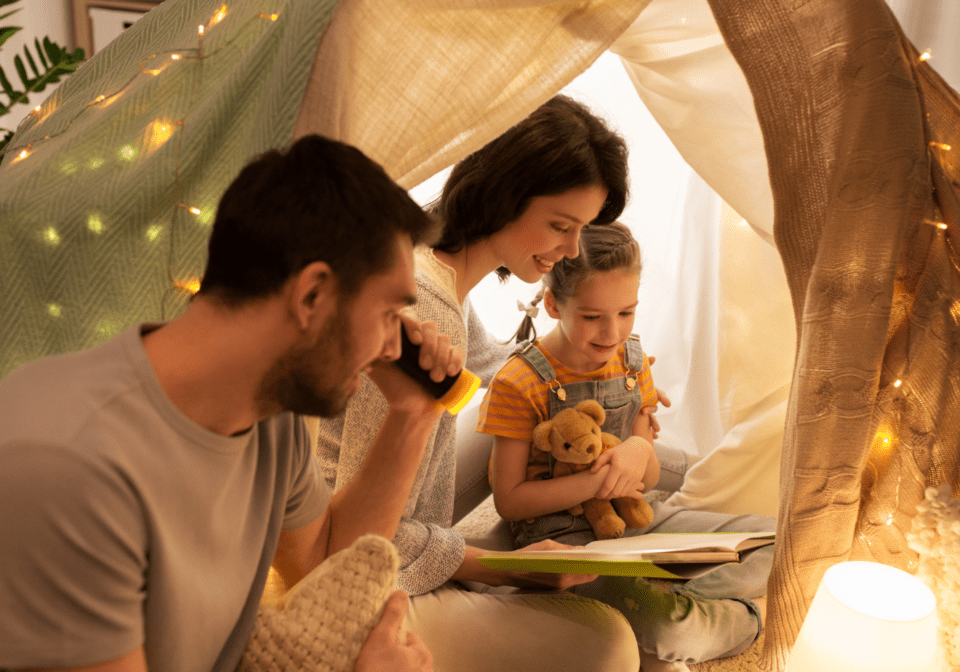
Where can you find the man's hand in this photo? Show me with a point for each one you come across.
(436, 356)
(390, 648)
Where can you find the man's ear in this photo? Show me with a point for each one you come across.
(313, 293)
(550, 303)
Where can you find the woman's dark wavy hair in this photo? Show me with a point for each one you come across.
(320, 200)
(562, 145)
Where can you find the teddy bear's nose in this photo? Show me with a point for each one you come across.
(591, 449)
(567, 445)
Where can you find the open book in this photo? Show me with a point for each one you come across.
(664, 556)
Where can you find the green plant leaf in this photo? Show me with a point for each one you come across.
(33, 64)
(7, 32)
(4, 3)
(7, 88)
(41, 55)
(22, 71)
(4, 141)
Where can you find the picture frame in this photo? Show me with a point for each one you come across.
(94, 23)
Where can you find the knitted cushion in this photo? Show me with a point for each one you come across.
(322, 622)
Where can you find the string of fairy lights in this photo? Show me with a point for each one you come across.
(157, 132)
(886, 439)
(160, 131)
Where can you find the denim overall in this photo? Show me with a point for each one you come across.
(705, 618)
(620, 402)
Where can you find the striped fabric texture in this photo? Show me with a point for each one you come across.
(518, 400)
(108, 191)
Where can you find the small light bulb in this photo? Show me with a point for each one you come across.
(925, 56)
(941, 145)
(175, 57)
(273, 17)
(24, 154)
(897, 383)
(36, 109)
(195, 210)
(942, 225)
(200, 30)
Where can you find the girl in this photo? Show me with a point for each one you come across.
(591, 354)
(516, 206)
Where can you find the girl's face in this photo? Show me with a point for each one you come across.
(596, 320)
(547, 231)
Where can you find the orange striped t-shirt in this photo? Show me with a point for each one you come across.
(517, 400)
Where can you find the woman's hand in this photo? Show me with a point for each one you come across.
(536, 580)
(662, 398)
(627, 464)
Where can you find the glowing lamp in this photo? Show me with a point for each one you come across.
(868, 616)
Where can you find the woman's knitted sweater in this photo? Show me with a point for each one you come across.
(430, 551)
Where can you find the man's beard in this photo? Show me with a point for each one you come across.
(311, 379)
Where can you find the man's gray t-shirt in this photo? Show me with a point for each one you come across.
(124, 523)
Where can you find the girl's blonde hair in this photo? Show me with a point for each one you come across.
(602, 248)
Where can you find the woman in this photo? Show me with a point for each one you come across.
(516, 206)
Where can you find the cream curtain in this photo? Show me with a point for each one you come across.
(418, 84)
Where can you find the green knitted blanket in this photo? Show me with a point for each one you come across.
(109, 188)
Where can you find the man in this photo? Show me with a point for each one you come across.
(147, 484)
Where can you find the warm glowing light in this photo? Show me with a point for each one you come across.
(192, 285)
(218, 17)
(200, 30)
(54, 310)
(176, 57)
(36, 109)
(941, 145)
(51, 236)
(868, 617)
(897, 383)
(195, 210)
(128, 152)
(100, 98)
(882, 443)
(94, 163)
(273, 17)
(926, 56)
(159, 132)
(153, 232)
(24, 154)
(942, 225)
(95, 223)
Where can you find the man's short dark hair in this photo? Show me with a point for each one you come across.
(320, 200)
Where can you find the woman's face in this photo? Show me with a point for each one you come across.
(547, 231)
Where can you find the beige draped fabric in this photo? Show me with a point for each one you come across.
(861, 139)
(856, 131)
(418, 84)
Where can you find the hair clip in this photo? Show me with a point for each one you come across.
(531, 310)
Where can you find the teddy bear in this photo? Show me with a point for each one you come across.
(574, 439)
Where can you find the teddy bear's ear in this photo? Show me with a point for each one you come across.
(593, 409)
(541, 436)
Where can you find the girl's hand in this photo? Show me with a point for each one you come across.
(627, 465)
